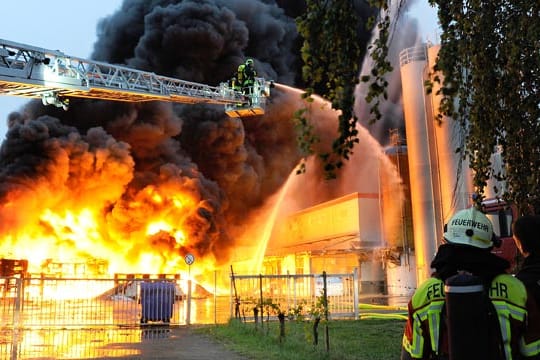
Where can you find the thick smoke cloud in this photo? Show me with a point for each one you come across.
(204, 41)
(118, 153)
(404, 34)
(201, 41)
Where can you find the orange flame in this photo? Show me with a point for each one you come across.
(149, 234)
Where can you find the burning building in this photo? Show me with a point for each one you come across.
(336, 236)
(140, 185)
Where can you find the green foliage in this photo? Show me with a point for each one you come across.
(491, 65)
(247, 307)
(331, 55)
(490, 62)
(351, 339)
(378, 51)
(271, 308)
(302, 311)
(298, 312)
(306, 137)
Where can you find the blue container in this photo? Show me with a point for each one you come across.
(157, 300)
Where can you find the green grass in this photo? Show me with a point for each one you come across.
(370, 339)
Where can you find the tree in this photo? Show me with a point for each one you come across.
(490, 63)
(331, 54)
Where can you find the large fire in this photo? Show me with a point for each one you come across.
(96, 198)
(139, 186)
(151, 243)
(84, 206)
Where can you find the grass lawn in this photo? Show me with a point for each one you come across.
(369, 339)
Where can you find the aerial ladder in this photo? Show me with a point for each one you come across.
(54, 77)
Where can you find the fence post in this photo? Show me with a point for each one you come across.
(325, 300)
(261, 297)
(289, 292)
(188, 309)
(215, 297)
(236, 299)
(356, 300)
(232, 297)
(18, 301)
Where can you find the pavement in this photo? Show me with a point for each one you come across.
(152, 342)
(174, 343)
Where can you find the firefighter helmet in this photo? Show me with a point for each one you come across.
(249, 62)
(470, 227)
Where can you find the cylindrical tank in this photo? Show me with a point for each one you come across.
(422, 167)
(454, 174)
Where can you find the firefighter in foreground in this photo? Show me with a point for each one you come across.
(497, 298)
(526, 234)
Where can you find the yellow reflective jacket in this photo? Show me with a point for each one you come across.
(240, 75)
(426, 338)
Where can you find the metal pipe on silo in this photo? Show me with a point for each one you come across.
(425, 212)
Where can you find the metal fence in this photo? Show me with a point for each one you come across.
(41, 302)
(51, 302)
(294, 294)
(43, 317)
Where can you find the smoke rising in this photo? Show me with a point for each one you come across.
(201, 41)
(404, 34)
(132, 163)
(190, 165)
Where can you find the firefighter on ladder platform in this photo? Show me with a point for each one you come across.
(245, 77)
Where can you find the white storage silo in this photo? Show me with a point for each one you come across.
(454, 173)
(422, 165)
(440, 181)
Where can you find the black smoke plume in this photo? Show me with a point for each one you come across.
(118, 153)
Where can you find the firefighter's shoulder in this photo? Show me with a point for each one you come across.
(430, 290)
(508, 288)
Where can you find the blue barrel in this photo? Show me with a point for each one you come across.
(157, 301)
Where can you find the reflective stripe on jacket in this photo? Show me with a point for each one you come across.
(424, 338)
(240, 76)
(530, 344)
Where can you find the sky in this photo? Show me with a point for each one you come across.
(70, 26)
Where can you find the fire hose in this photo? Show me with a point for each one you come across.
(387, 312)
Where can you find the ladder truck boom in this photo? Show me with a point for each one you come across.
(51, 75)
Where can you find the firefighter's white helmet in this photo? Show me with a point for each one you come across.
(469, 227)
